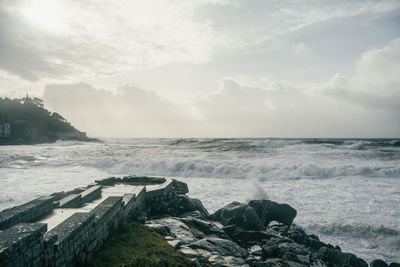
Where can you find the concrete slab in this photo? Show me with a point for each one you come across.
(70, 201)
(61, 214)
(91, 193)
(155, 187)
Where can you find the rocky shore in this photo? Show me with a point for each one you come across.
(259, 233)
(105, 222)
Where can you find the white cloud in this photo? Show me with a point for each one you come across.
(71, 40)
(40, 38)
(131, 112)
(376, 83)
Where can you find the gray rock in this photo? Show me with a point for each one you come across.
(186, 204)
(269, 211)
(273, 262)
(240, 215)
(256, 250)
(294, 252)
(108, 181)
(209, 228)
(142, 180)
(180, 188)
(180, 230)
(221, 246)
(188, 251)
(270, 250)
(227, 261)
(336, 257)
(378, 263)
(278, 227)
(175, 243)
(247, 238)
(295, 264)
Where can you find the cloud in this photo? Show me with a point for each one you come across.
(281, 109)
(376, 83)
(40, 39)
(277, 109)
(15, 56)
(131, 112)
(68, 39)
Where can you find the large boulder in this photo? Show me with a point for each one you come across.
(247, 238)
(186, 204)
(269, 211)
(180, 188)
(378, 263)
(240, 215)
(336, 257)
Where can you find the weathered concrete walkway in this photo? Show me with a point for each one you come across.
(59, 215)
(68, 228)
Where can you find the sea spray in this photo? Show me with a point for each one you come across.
(255, 191)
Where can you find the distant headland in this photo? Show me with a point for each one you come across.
(26, 121)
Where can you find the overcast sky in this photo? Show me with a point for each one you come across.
(208, 68)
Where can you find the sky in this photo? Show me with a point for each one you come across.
(208, 68)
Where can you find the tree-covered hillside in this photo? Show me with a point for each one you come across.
(27, 121)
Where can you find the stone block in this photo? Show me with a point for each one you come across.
(142, 180)
(71, 201)
(106, 209)
(92, 193)
(27, 212)
(108, 181)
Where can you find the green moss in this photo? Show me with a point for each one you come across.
(138, 246)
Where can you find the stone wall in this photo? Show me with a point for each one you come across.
(22, 245)
(161, 200)
(27, 212)
(75, 240)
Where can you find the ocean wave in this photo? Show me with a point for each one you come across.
(261, 169)
(279, 142)
(357, 230)
(262, 159)
(371, 234)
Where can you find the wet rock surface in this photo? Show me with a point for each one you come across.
(259, 233)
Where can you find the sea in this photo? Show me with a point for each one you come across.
(346, 191)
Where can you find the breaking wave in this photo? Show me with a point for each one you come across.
(360, 231)
(262, 159)
(368, 239)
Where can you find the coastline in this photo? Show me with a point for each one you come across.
(259, 233)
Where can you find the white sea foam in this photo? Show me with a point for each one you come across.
(333, 184)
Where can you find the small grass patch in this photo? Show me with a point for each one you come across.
(138, 246)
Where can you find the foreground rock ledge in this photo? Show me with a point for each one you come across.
(241, 235)
(258, 233)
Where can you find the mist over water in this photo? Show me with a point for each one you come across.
(347, 191)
